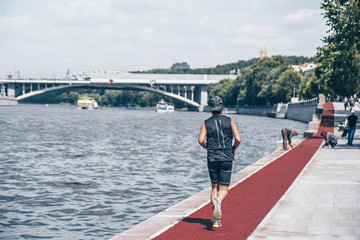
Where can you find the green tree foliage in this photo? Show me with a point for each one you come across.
(260, 80)
(224, 89)
(310, 86)
(226, 68)
(219, 69)
(182, 65)
(297, 60)
(338, 60)
(287, 86)
(269, 81)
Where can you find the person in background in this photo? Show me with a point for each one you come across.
(330, 139)
(341, 126)
(287, 133)
(346, 102)
(350, 124)
(351, 102)
(216, 136)
(343, 129)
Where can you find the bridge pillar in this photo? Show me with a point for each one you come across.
(11, 90)
(7, 95)
(3, 91)
(201, 96)
(192, 93)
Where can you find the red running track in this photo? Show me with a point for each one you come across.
(251, 200)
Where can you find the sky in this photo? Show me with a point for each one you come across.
(42, 38)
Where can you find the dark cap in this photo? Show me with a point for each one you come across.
(216, 104)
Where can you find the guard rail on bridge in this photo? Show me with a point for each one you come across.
(188, 88)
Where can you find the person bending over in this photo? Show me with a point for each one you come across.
(330, 139)
(287, 133)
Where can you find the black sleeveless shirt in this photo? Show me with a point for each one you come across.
(219, 138)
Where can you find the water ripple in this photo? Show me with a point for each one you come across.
(69, 174)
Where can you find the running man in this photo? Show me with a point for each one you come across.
(216, 135)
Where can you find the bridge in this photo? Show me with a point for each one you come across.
(188, 88)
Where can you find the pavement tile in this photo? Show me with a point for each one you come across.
(326, 198)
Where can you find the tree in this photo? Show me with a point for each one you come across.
(284, 86)
(223, 89)
(338, 66)
(266, 93)
(259, 79)
(182, 65)
(310, 87)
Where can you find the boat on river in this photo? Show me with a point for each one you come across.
(86, 102)
(164, 107)
(131, 106)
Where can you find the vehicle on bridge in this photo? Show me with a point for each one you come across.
(164, 107)
(86, 102)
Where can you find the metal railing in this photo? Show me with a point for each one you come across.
(312, 101)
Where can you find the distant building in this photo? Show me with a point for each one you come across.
(263, 53)
(182, 65)
(235, 71)
(306, 68)
(9, 74)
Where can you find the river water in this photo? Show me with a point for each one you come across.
(67, 173)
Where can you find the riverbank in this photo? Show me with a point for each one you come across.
(183, 211)
(168, 218)
(303, 111)
(246, 204)
(309, 111)
(323, 202)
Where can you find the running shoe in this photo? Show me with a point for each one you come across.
(217, 209)
(216, 224)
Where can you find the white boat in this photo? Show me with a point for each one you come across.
(164, 107)
(87, 103)
(131, 106)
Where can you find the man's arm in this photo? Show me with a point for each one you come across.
(202, 135)
(236, 135)
(327, 140)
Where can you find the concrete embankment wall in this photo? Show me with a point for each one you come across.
(303, 111)
(7, 101)
(309, 111)
(267, 110)
(298, 112)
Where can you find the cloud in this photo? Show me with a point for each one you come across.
(140, 35)
(302, 16)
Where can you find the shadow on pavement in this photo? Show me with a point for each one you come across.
(345, 146)
(206, 222)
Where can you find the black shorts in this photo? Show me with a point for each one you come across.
(220, 172)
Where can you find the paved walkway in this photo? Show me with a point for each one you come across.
(324, 202)
(306, 193)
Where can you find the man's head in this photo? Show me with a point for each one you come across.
(323, 133)
(216, 104)
(296, 133)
